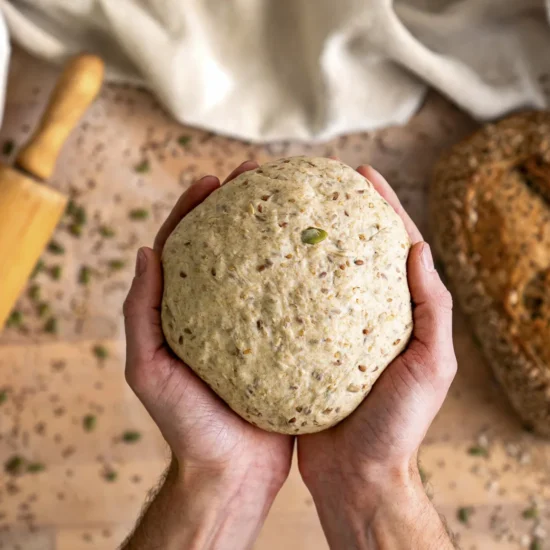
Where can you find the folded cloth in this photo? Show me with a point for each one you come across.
(267, 70)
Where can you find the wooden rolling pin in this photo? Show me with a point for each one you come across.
(29, 211)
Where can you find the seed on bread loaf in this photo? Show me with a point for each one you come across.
(490, 207)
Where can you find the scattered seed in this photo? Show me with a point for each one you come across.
(55, 272)
(35, 467)
(266, 197)
(50, 326)
(142, 167)
(261, 268)
(70, 209)
(14, 465)
(75, 230)
(354, 388)
(283, 224)
(335, 195)
(106, 231)
(34, 292)
(42, 309)
(463, 514)
(358, 262)
(15, 320)
(131, 436)
(55, 248)
(183, 275)
(84, 275)
(184, 140)
(292, 420)
(138, 214)
(8, 147)
(116, 265)
(366, 331)
(3, 396)
(342, 266)
(89, 422)
(78, 213)
(110, 476)
(247, 351)
(362, 237)
(37, 268)
(100, 351)
(478, 450)
(530, 513)
(289, 256)
(397, 342)
(362, 368)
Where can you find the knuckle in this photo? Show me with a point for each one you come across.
(444, 299)
(134, 375)
(438, 366)
(129, 305)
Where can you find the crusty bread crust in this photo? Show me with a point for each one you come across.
(490, 209)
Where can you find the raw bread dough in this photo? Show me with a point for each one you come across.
(286, 291)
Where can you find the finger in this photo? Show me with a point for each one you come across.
(433, 320)
(144, 336)
(384, 188)
(191, 198)
(244, 167)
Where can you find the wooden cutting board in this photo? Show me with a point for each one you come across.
(126, 171)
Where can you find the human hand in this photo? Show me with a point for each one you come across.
(209, 442)
(367, 464)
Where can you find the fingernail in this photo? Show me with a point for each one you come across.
(207, 178)
(141, 262)
(427, 258)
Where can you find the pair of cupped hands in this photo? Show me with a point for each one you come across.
(357, 464)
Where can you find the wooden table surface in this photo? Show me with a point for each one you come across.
(51, 381)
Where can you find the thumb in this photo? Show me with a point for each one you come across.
(141, 309)
(433, 320)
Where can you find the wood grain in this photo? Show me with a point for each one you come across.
(53, 380)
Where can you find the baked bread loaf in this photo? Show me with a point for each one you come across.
(490, 208)
(286, 291)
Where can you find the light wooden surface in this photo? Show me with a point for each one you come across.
(52, 381)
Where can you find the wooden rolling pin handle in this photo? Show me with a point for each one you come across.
(77, 87)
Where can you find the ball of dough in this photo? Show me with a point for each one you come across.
(286, 292)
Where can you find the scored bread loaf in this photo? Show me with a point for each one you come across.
(490, 207)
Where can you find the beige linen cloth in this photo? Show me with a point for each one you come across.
(267, 70)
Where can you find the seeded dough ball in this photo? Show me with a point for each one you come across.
(286, 292)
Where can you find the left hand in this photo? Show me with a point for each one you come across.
(363, 473)
(206, 437)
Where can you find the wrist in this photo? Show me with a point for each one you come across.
(200, 509)
(223, 509)
(381, 508)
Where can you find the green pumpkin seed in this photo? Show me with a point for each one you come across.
(313, 235)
